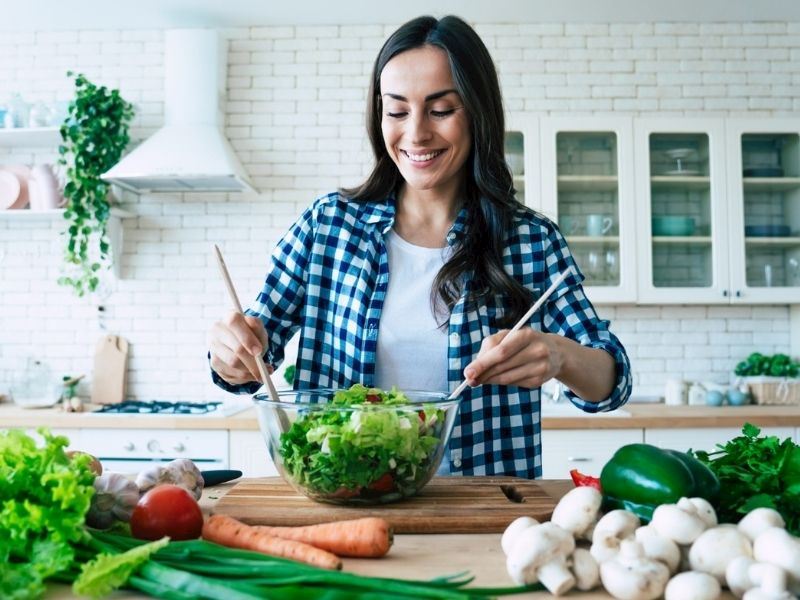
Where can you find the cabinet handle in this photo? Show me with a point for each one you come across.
(738, 293)
(578, 459)
(130, 447)
(153, 446)
(725, 293)
(179, 447)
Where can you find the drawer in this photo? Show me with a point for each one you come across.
(583, 449)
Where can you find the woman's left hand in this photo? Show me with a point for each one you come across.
(527, 358)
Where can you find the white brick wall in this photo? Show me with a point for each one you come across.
(295, 115)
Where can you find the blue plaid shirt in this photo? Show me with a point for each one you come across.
(328, 278)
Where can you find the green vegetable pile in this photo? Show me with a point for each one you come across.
(757, 472)
(44, 498)
(778, 365)
(375, 447)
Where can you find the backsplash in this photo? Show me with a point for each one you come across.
(295, 115)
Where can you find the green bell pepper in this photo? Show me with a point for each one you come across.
(639, 477)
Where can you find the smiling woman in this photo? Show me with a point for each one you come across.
(411, 279)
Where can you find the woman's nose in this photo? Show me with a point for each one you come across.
(419, 129)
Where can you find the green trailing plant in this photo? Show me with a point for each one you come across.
(94, 134)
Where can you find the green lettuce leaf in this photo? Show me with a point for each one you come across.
(108, 572)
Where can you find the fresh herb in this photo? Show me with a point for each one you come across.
(757, 472)
(778, 365)
(44, 497)
(377, 445)
(107, 572)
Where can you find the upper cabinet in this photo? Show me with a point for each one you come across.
(587, 188)
(682, 206)
(764, 191)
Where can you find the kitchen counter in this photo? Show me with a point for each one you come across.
(639, 416)
(417, 556)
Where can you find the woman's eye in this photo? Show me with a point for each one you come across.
(442, 113)
(396, 115)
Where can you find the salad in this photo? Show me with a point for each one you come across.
(366, 444)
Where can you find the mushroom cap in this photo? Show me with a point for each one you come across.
(692, 585)
(778, 547)
(716, 547)
(672, 522)
(758, 520)
(611, 529)
(516, 527)
(585, 569)
(632, 576)
(737, 575)
(658, 547)
(537, 546)
(703, 509)
(578, 510)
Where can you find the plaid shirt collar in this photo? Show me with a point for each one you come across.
(382, 216)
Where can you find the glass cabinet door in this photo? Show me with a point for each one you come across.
(586, 185)
(682, 235)
(765, 184)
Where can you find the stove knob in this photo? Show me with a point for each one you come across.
(130, 447)
(179, 447)
(153, 446)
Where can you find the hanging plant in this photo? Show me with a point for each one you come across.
(95, 133)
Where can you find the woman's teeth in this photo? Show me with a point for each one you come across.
(423, 157)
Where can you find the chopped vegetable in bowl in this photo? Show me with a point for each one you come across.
(361, 445)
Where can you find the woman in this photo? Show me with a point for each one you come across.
(414, 278)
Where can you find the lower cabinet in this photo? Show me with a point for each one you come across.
(249, 454)
(702, 438)
(584, 449)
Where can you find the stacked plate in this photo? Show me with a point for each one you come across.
(14, 187)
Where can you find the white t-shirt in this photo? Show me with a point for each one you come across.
(411, 351)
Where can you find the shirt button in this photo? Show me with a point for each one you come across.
(457, 462)
(455, 338)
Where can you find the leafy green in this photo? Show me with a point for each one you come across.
(108, 572)
(757, 472)
(44, 497)
(778, 365)
(377, 442)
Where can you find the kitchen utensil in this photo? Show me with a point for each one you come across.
(521, 322)
(413, 434)
(217, 476)
(679, 155)
(673, 226)
(262, 368)
(445, 505)
(109, 374)
(598, 225)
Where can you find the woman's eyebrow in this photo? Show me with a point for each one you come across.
(428, 98)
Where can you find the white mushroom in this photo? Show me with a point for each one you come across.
(540, 554)
(778, 547)
(716, 547)
(737, 575)
(585, 569)
(578, 510)
(516, 527)
(658, 547)
(770, 581)
(759, 520)
(609, 532)
(705, 510)
(682, 522)
(693, 586)
(632, 576)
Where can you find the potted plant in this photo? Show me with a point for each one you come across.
(771, 379)
(95, 133)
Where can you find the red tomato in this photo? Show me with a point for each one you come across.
(373, 398)
(421, 414)
(167, 510)
(384, 483)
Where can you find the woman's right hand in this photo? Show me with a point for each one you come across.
(235, 342)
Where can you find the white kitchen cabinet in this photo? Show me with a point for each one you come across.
(249, 453)
(587, 188)
(522, 156)
(764, 209)
(584, 449)
(682, 231)
(704, 438)
(73, 435)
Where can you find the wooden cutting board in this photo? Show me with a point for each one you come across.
(109, 374)
(445, 505)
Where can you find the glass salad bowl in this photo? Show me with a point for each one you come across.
(356, 446)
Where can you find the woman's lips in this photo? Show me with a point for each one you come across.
(421, 160)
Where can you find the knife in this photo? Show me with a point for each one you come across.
(215, 477)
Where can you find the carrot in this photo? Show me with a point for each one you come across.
(229, 532)
(369, 537)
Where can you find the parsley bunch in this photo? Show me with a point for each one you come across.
(757, 472)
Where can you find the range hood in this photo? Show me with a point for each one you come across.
(190, 153)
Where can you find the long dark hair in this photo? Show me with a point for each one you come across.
(489, 199)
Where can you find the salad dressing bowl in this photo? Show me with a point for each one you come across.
(356, 446)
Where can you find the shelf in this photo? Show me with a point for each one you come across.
(26, 213)
(28, 137)
(592, 239)
(771, 184)
(772, 241)
(587, 183)
(681, 239)
(670, 182)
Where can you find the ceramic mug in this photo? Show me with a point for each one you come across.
(597, 225)
(569, 225)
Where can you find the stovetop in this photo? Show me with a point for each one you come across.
(172, 408)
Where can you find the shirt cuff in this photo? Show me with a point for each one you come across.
(622, 389)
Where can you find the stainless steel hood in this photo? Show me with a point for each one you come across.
(190, 153)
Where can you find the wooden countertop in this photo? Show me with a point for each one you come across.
(641, 416)
(418, 556)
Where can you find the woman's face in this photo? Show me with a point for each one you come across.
(424, 123)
